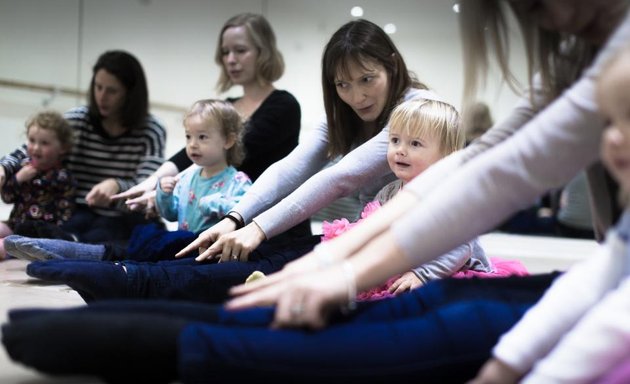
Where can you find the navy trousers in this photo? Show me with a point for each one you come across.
(208, 282)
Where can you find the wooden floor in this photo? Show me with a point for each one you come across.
(18, 290)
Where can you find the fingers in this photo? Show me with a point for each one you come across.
(140, 200)
(209, 254)
(299, 311)
(262, 297)
(130, 193)
(230, 251)
(392, 288)
(198, 243)
(401, 285)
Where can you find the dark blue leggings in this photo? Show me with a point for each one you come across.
(439, 333)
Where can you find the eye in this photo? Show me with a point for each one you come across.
(416, 143)
(203, 137)
(341, 84)
(367, 79)
(394, 140)
(187, 137)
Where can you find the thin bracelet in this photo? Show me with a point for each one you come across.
(351, 281)
(239, 223)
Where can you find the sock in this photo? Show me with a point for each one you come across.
(118, 348)
(45, 249)
(93, 280)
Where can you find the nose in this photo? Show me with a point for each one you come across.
(358, 96)
(99, 96)
(230, 58)
(401, 150)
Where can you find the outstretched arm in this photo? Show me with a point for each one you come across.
(139, 195)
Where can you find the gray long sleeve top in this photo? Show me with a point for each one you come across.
(294, 188)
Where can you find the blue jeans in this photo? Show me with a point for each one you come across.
(208, 282)
(441, 333)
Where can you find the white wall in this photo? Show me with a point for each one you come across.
(56, 43)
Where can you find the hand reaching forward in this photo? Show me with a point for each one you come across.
(236, 245)
(494, 371)
(305, 300)
(319, 258)
(207, 238)
(139, 197)
(100, 194)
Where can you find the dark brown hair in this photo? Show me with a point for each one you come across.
(359, 41)
(127, 69)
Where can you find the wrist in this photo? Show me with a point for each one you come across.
(235, 218)
(262, 236)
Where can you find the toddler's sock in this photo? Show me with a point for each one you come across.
(45, 249)
(116, 347)
(93, 280)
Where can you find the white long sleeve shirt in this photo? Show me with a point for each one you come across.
(580, 328)
(545, 153)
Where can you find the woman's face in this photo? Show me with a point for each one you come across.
(109, 94)
(364, 88)
(593, 20)
(239, 55)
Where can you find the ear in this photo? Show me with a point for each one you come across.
(229, 142)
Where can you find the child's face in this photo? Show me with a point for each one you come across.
(43, 148)
(205, 145)
(614, 103)
(365, 90)
(239, 55)
(409, 156)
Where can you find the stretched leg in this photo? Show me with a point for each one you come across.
(116, 347)
(438, 341)
(180, 279)
(154, 243)
(28, 248)
(446, 345)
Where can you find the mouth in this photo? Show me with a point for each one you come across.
(621, 164)
(365, 110)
